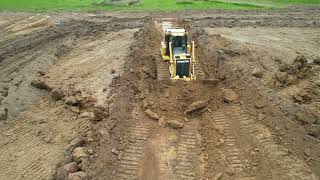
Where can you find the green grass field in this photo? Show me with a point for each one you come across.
(146, 5)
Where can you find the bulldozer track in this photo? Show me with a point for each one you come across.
(292, 165)
(234, 155)
(130, 162)
(162, 71)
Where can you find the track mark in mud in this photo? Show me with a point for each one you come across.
(287, 166)
(234, 155)
(198, 71)
(36, 168)
(177, 153)
(186, 152)
(130, 163)
(30, 152)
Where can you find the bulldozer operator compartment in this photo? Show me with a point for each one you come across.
(179, 44)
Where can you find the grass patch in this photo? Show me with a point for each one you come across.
(145, 5)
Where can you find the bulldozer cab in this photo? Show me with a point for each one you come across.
(178, 39)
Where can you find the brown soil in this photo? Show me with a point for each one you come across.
(87, 80)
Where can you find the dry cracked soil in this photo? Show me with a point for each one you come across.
(81, 97)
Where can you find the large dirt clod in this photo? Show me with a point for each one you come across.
(78, 176)
(196, 106)
(152, 114)
(162, 122)
(175, 124)
(258, 73)
(303, 119)
(72, 101)
(100, 113)
(229, 95)
(317, 61)
(57, 94)
(73, 144)
(3, 113)
(71, 167)
(39, 83)
(282, 77)
(313, 130)
(78, 154)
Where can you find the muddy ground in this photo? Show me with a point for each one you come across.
(77, 91)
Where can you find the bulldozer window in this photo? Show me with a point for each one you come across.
(179, 41)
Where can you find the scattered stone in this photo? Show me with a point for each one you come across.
(100, 114)
(282, 77)
(258, 105)
(313, 130)
(301, 61)
(229, 95)
(71, 167)
(72, 101)
(167, 94)
(151, 103)
(39, 83)
(303, 119)
(220, 142)
(218, 176)
(90, 151)
(230, 171)
(131, 70)
(61, 174)
(258, 73)
(162, 122)
(113, 71)
(186, 119)
(3, 113)
(317, 61)
(49, 137)
(115, 151)
(175, 124)
(196, 106)
(261, 117)
(41, 72)
(152, 115)
(78, 176)
(145, 103)
(307, 152)
(218, 128)
(90, 115)
(57, 94)
(74, 143)
(78, 154)
(213, 82)
(84, 165)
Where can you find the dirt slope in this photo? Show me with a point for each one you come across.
(38, 129)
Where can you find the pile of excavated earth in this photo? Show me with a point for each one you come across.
(80, 97)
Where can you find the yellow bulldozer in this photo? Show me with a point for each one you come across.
(179, 54)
